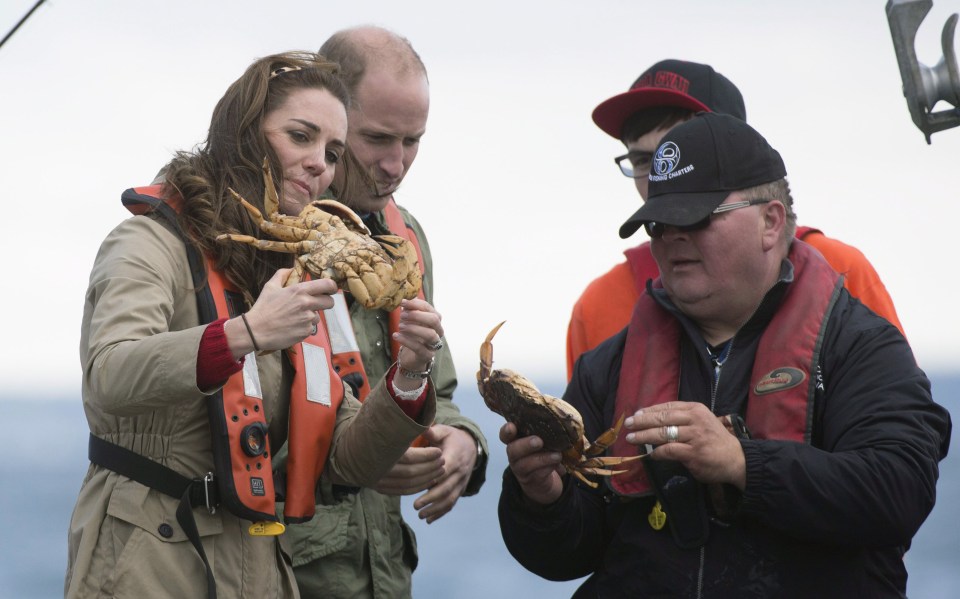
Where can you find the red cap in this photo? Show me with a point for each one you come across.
(670, 82)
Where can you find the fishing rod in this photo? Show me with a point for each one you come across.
(22, 21)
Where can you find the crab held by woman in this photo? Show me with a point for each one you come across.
(330, 240)
(555, 421)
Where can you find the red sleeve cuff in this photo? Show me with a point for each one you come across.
(410, 407)
(215, 361)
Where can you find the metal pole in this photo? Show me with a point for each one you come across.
(22, 21)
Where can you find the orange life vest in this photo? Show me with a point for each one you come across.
(241, 448)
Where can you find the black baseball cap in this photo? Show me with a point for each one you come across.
(672, 83)
(698, 164)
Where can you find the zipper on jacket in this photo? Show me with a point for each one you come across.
(703, 558)
(718, 363)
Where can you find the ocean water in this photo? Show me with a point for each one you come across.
(462, 555)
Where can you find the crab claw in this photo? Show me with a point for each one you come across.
(346, 214)
(486, 355)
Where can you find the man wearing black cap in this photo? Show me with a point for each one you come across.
(833, 461)
(670, 92)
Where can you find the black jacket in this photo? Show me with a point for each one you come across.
(829, 519)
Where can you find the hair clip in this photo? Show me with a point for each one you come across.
(282, 70)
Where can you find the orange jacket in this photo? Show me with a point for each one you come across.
(604, 308)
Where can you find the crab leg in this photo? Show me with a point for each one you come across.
(584, 479)
(287, 247)
(296, 273)
(611, 460)
(581, 469)
(606, 439)
(286, 228)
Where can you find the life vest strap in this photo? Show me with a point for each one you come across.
(191, 492)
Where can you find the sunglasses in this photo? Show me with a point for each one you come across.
(655, 230)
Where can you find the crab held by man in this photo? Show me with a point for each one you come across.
(331, 241)
(556, 422)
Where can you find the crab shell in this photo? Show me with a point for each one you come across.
(555, 421)
(331, 240)
(519, 401)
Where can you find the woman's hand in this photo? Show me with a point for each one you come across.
(420, 336)
(282, 316)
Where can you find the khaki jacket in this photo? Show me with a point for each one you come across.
(362, 548)
(139, 339)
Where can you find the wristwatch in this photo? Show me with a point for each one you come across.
(480, 454)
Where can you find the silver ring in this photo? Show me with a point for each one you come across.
(436, 346)
(313, 331)
(671, 433)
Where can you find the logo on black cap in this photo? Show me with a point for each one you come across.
(666, 159)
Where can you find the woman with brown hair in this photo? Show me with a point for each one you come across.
(198, 361)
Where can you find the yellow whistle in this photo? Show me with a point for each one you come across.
(266, 529)
(657, 517)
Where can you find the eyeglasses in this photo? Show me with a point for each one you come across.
(635, 164)
(655, 230)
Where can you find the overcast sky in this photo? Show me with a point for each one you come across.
(514, 184)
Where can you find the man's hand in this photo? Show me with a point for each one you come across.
(443, 469)
(703, 444)
(538, 472)
(417, 469)
(459, 457)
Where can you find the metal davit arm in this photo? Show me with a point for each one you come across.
(924, 86)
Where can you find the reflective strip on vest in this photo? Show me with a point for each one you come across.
(339, 327)
(317, 373)
(251, 376)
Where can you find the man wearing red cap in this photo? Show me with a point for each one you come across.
(832, 463)
(668, 93)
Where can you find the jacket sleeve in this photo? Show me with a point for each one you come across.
(140, 322)
(562, 541)
(369, 438)
(869, 476)
(444, 376)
